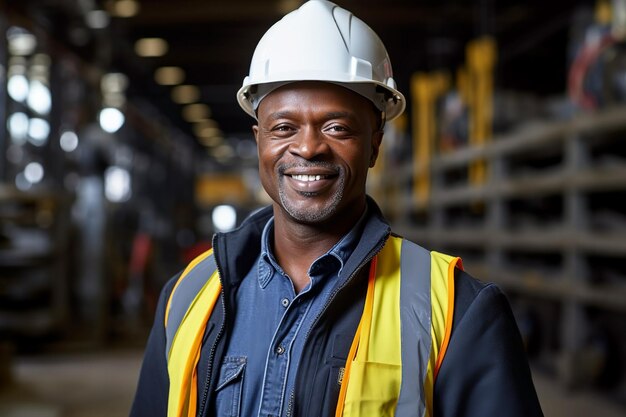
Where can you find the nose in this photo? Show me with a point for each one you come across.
(309, 144)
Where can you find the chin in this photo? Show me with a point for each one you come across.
(310, 209)
(310, 214)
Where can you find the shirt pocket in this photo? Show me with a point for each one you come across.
(230, 386)
(373, 389)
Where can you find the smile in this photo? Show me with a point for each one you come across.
(308, 178)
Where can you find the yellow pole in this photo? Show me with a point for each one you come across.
(481, 57)
(425, 88)
(420, 94)
(375, 179)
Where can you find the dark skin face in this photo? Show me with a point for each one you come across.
(316, 142)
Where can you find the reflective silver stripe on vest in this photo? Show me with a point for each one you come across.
(416, 327)
(183, 296)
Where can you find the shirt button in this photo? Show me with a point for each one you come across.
(280, 350)
(284, 302)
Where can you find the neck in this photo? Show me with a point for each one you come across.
(298, 245)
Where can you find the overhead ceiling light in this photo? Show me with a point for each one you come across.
(206, 130)
(68, 141)
(113, 82)
(38, 131)
(117, 184)
(185, 94)
(196, 112)
(33, 172)
(211, 141)
(151, 47)
(17, 87)
(125, 8)
(206, 123)
(97, 19)
(17, 124)
(21, 42)
(224, 218)
(111, 119)
(169, 75)
(39, 98)
(223, 153)
(208, 133)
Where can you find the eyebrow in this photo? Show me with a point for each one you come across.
(280, 115)
(330, 115)
(339, 115)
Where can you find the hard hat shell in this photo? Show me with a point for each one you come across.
(320, 41)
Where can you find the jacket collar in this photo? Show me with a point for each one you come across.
(236, 251)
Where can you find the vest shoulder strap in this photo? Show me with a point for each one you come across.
(199, 285)
(192, 279)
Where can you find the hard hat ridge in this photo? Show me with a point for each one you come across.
(320, 41)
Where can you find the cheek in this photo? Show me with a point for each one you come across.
(266, 175)
(269, 157)
(358, 161)
(269, 154)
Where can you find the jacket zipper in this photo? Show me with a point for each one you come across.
(367, 259)
(205, 393)
(290, 405)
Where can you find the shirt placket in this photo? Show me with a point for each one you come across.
(279, 355)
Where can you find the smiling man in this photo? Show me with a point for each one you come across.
(316, 143)
(313, 307)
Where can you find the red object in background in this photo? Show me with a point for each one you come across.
(140, 254)
(196, 250)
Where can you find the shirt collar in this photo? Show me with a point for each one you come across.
(267, 263)
(332, 261)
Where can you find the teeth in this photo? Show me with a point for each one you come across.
(307, 178)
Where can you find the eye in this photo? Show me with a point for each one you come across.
(282, 130)
(338, 130)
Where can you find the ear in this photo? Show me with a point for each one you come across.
(377, 138)
(255, 131)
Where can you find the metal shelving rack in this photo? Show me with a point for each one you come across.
(535, 225)
(34, 292)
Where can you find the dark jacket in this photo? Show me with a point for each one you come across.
(484, 373)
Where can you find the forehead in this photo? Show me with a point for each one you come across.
(305, 96)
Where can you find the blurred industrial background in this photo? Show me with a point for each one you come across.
(122, 150)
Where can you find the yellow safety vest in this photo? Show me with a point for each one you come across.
(408, 313)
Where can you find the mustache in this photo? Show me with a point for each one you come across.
(309, 164)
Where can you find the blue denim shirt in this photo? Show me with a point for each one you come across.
(270, 326)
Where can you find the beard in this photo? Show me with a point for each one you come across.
(310, 214)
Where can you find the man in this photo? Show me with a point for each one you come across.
(312, 307)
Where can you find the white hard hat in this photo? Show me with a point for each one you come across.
(320, 41)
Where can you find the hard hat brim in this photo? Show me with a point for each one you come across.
(394, 103)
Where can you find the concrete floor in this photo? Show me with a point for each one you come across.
(101, 384)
